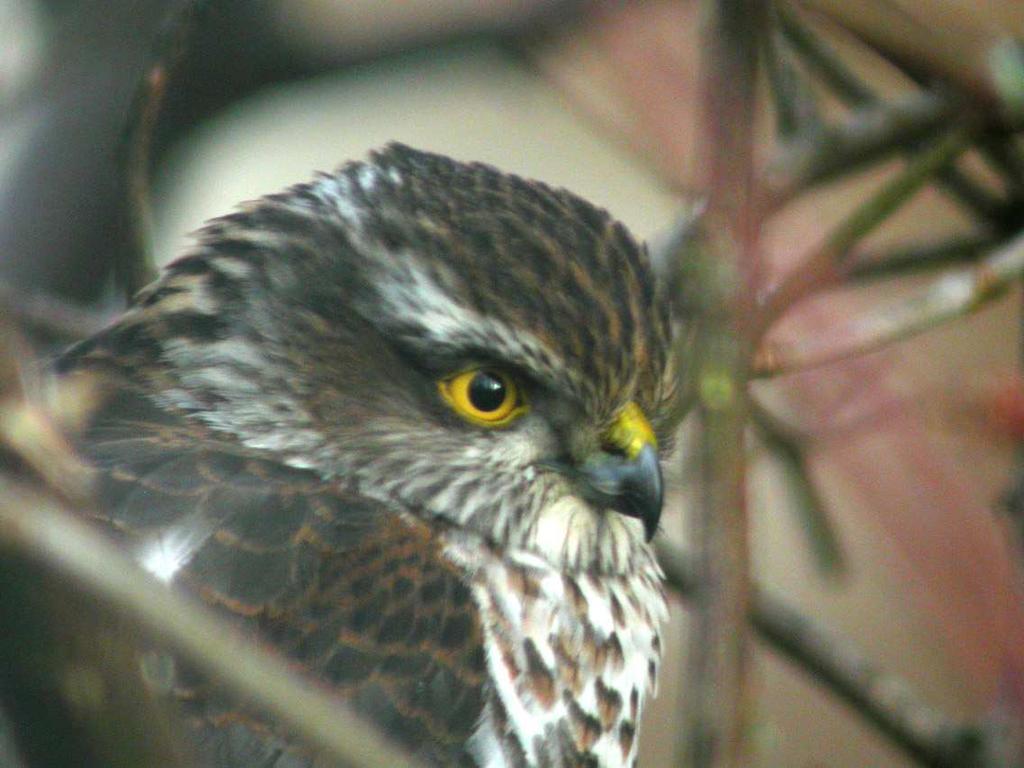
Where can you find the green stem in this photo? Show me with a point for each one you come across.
(826, 263)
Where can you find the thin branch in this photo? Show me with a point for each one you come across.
(953, 251)
(789, 449)
(884, 701)
(973, 58)
(796, 109)
(35, 527)
(871, 133)
(832, 69)
(951, 296)
(1003, 154)
(822, 267)
(171, 47)
(860, 144)
(980, 200)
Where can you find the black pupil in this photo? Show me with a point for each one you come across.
(487, 392)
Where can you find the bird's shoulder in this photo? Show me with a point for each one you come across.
(356, 591)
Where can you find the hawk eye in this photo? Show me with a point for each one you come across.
(484, 396)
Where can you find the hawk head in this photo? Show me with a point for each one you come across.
(483, 351)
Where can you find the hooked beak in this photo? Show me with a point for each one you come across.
(626, 476)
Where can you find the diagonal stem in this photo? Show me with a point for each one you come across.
(961, 54)
(796, 108)
(143, 116)
(876, 130)
(950, 252)
(951, 296)
(872, 133)
(821, 268)
(830, 67)
(789, 449)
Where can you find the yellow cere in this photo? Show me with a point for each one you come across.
(631, 431)
(484, 396)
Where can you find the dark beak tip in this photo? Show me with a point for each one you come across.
(653, 491)
(632, 487)
(649, 531)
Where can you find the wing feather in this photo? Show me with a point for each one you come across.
(356, 593)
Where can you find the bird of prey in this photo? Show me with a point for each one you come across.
(401, 424)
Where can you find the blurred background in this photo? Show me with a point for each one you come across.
(601, 99)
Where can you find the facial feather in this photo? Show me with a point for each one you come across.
(311, 325)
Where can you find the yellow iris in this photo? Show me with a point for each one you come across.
(483, 396)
